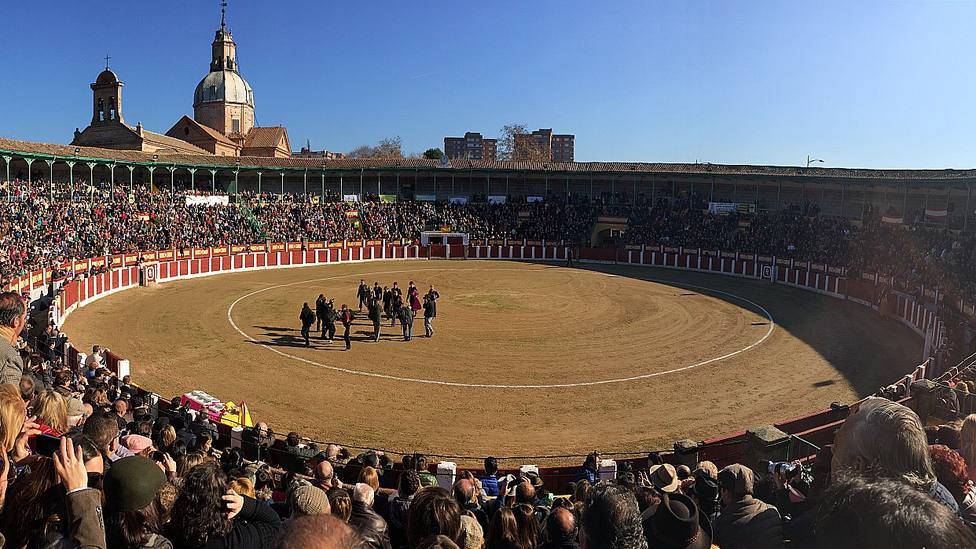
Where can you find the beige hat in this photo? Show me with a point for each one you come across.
(306, 499)
(665, 478)
(737, 478)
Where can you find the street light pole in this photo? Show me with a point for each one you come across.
(811, 160)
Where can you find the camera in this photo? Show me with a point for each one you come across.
(788, 469)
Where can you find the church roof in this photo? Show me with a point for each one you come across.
(212, 133)
(223, 86)
(259, 138)
(106, 77)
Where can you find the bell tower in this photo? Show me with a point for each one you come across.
(223, 50)
(107, 98)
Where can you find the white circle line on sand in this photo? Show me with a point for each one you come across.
(769, 332)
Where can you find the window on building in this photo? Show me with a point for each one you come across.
(235, 125)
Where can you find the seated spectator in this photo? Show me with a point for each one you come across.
(305, 499)
(134, 512)
(862, 510)
(433, 512)
(887, 437)
(610, 519)
(503, 531)
(528, 525)
(560, 530)
(745, 522)
(52, 412)
(950, 470)
(103, 430)
(677, 525)
(318, 532)
(340, 503)
(967, 444)
(207, 515)
(426, 477)
(367, 523)
(398, 508)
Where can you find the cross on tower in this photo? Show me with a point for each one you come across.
(107, 58)
(223, 7)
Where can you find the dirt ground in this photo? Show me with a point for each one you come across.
(520, 328)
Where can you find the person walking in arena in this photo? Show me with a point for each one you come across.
(432, 293)
(308, 318)
(320, 305)
(362, 293)
(328, 324)
(430, 311)
(387, 301)
(395, 306)
(374, 315)
(377, 291)
(413, 294)
(346, 316)
(406, 321)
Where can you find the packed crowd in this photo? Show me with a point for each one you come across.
(90, 462)
(43, 225)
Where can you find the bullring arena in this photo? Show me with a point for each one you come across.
(528, 358)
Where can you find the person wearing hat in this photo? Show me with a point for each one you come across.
(677, 525)
(305, 499)
(664, 478)
(745, 522)
(705, 492)
(133, 512)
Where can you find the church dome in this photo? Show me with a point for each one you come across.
(223, 86)
(106, 77)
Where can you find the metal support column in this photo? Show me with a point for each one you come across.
(213, 181)
(71, 179)
(259, 184)
(281, 197)
(50, 167)
(6, 161)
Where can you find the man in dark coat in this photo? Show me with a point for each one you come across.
(745, 522)
(406, 321)
(387, 302)
(308, 318)
(330, 319)
(430, 311)
(377, 291)
(365, 521)
(374, 315)
(362, 293)
(346, 316)
(320, 305)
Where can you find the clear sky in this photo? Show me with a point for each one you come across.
(859, 84)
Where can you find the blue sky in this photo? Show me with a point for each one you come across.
(859, 84)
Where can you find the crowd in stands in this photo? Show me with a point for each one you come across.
(89, 462)
(83, 221)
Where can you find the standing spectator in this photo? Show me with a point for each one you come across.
(346, 317)
(13, 317)
(406, 321)
(134, 514)
(307, 317)
(430, 311)
(489, 482)
(374, 316)
(745, 522)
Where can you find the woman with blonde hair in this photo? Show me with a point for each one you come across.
(242, 485)
(52, 411)
(13, 413)
(967, 444)
(369, 476)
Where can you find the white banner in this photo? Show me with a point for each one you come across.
(497, 199)
(722, 207)
(425, 197)
(350, 198)
(458, 200)
(216, 200)
(534, 199)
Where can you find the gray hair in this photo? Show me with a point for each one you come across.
(363, 493)
(887, 436)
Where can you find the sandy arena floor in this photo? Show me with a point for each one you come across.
(527, 358)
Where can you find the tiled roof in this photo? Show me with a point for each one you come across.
(214, 134)
(173, 142)
(581, 168)
(264, 138)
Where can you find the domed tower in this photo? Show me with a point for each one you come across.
(223, 100)
(107, 99)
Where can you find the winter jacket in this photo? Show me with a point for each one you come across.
(255, 527)
(748, 524)
(370, 526)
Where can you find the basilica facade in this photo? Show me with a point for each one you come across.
(223, 115)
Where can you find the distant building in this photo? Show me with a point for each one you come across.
(471, 147)
(307, 152)
(543, 145)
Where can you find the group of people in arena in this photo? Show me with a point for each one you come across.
(90, 461)
(388, 301)
(47, 223)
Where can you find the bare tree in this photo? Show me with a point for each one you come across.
(390, 147)
(517, 143)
